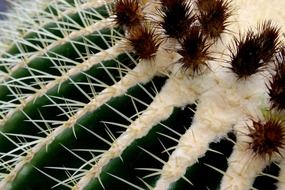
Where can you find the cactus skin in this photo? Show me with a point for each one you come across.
(81, 108)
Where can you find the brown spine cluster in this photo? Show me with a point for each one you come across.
(139, 32)
(177, 17)
(128, 13)
(144, 41)
(254, 50)
(195, 50)
(277, 84)
(213, 16)
(268, 138)
(193, 31)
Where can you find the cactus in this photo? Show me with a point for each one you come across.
(142, 94)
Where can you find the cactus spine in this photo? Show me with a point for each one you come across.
(142, 94)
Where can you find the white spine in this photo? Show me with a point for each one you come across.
(106, 23)
(143, 72)
(243, 165)
(242, 169)
(93, 60)
(209, 123)
(171, 95)
(281, 178)
(218, 109)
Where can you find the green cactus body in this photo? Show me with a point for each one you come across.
(142, 94)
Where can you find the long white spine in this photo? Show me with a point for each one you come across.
(281, 178)
(242, 169)
(141, 74)
(159, 110)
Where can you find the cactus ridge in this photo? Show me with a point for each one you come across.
(94, 98)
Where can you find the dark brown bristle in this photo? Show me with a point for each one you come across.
(277, 84)
(268, 138)
(213, 16)
(177, 17)
(253, 51)
(194, 50)
(144, 42)
(128, 13)
(246, 61)
(170, 3)
(269, 39)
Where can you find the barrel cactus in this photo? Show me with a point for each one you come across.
(142, 94)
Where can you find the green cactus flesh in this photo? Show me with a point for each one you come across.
(93, 98)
